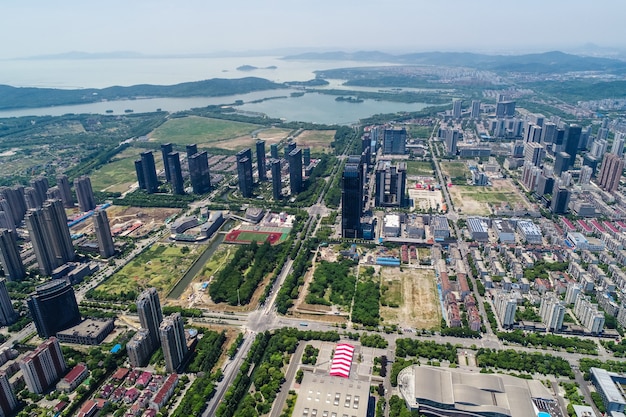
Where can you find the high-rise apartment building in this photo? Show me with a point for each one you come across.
(66, 194)
(260, 157)
(176, 173)
(394, 141)
(199, 172)
(103, 234)
(44, 366)
(475, 112)
(456, 108)
(173, 342)
(148, 167)
(16, 204)
(618, 144)
(451, 140)
(295, 170)
(50, 236)
(552, 312)
(505, 305)
(390, 184)
(10, 256)
(40, 184)
(7, 312)
(611, 172)
(534, 153)
(166, 149)
(191, 150)
(32, 198)
(53, 307)
(532, 133)
(351, 200)
(277, 184)
(8, 401)
(84, 194)
(505, 109)
(150, 314)
(139, 348)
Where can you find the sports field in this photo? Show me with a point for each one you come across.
(246, 236)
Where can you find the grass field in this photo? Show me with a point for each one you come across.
(270, 135)
(161, 266)
(220, 258)
(200, 130)
(419, 168)
(416, 291)
(476, 200)
(318, 140)
(119, 174)
(455, 169)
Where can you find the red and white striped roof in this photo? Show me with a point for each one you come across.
(342, 360)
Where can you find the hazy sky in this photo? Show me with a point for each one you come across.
(35, 27)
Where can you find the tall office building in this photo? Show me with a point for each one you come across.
(394, 141)
(84, 194)
(548, 133)
(505, 109)
(139, 348)
(611, 172)
(7, 312)
(10, 256)
(50, 236)
(103, 234)
(274, 150)
(150, 314)
(244, 172)
(306, 156)
(149, 172)
(290, 146)
(618, 145)
(199, 172)
(456, 108)
(390, 184)
(8, 401)
(191, 150)
(572, 139)
(351, 200)
(451, 140)
(173, 341)
(176, 173)
(277, 184)
(44, 366)
(53, 307)
(166, 149)
(475, 113)
(295, 171)
(534, 153)
(552, 312)
(66, 194)
(532, 133)
(561, 163)
(260, 157)
(560, 201)
(40, 184)
(139, 171)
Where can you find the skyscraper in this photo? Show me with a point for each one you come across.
(44, 366)
(260, 157)
(618, 145)
(390, 184)
(244, 172)
(10, 256)
(534, 153)
(199, 173)
(40, 184)
(475, 113)
(103, 234)
(150, 315)
(32, 199)
(139, 171)
(295, 170)
(50, 236)
(274, 150)
(14, 196)
(572, 138)
(532, 133)
(191, 150)
(7, 219)
(149, 172)
(561, 163)
(8, 402)
(277, 184)
(611, 172)
(394, 141)
(64, 187)
(173, 342)
(560, 201)
(53, 307)
(452, 138)
(290, 146)
(7, 312)
(139, 348)
(456, 108)
(306, 156)
(176, 173)
(166, 149)
(552, 312)
(351, 200)
(84, 194)
(505, 109)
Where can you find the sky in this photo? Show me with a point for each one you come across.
(41, 27)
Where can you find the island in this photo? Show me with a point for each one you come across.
(253, 68)
(349, 99)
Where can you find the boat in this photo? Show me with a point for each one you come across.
(109, 111)
(128, 111)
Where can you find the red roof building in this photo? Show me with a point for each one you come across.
(342, 360)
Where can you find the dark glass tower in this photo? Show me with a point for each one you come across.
(103, 234)
(351, 197)
(166, 149)
(572, 137)
(274, 150)
(244, 172)
(53, 307)
(277, 184)
(260, 157)
(199, 173)
(191, 150)
(149, 172)
(139, 171)
(176, 173)
(295, 171)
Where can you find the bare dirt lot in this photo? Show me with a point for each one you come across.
(415, 292)
(270, 136)
(478, 200)
(317, 140)
(123, 216)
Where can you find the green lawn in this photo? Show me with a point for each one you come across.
(119, 174)
(391, 293)
(419, 168)
(455, 169)
(161, 266)
(487, 195)
(200, 130)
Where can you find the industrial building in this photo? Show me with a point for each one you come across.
(323, 395)
(606, 384)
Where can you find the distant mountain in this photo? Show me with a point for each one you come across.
(548, 62)
(90, 55)
(23, 97)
